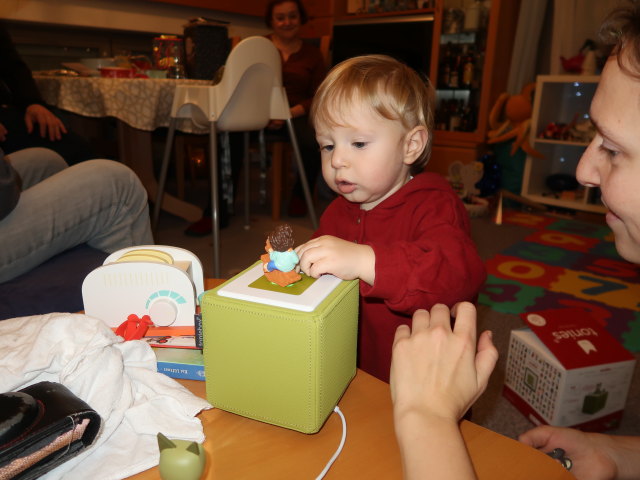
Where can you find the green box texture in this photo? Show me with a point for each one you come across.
(280, 366)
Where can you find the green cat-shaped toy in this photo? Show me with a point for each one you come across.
(180, 459)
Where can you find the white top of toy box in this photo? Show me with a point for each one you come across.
(307, 301)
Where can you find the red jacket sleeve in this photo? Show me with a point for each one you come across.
(440, 264)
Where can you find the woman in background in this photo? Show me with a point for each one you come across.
(303, 69)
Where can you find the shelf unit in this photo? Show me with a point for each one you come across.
(492, 44)
(559, 99)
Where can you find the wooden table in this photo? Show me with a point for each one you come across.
(241, 448)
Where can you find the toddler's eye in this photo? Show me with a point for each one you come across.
(359, 144)
(326, 148)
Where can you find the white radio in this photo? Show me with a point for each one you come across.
(156, 280)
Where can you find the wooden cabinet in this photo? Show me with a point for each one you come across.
(560, 100)
(489, 48)
(244, 7)
(315, 8)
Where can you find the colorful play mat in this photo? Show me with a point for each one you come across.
(566, 263)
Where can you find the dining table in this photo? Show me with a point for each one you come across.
(140, 106)
(241, 448)
(238, 447)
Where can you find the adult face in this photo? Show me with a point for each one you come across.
(285, 20)
(612, 160)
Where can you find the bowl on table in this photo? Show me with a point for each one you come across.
(117, 72)
(95, 64)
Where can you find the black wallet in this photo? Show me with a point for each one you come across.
(42, 426)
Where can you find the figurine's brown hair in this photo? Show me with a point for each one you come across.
(281, 239)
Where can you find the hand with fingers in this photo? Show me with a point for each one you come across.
(592, 455)
(346, 260)
(48, 124)
(436, 375)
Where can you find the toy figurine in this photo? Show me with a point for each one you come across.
(280, 263)
(180, 459)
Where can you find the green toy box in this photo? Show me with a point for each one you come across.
(281, 356)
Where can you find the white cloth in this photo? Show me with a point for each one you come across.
(117, 379)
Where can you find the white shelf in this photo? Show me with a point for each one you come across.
(562, 142)
(559, 99)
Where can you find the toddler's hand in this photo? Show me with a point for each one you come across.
(345, 260)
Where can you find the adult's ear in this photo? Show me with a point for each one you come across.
(415, 143)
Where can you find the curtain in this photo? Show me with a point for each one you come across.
(526, 45)
(549, 29)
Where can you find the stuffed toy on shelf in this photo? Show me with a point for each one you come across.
(510, 122)
(510, 119)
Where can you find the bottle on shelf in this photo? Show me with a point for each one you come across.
(474, 16)
(454, 75)
(468, 71)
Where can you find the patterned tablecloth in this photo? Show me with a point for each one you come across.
(139, 102)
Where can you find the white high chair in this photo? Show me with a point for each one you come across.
(249, 94)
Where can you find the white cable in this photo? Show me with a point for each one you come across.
(344, 438)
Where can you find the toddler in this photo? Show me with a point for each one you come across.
(402, 231)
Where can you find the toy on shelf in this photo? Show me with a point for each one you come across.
(580, 129)
(584, 62)
(280, 263)
(510, 119)
(463, 178)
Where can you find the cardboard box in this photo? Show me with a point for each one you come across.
(280, 355)
(566, 370)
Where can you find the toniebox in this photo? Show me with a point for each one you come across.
(280, 355)
(567, 370)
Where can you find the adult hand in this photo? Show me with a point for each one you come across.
(3, 133)
(436, 374)
(50, 125)
(346, 260)
(593, 454)
(436, 371)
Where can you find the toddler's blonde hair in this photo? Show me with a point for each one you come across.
(391, 88)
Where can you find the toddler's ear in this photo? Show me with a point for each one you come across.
(415, 143)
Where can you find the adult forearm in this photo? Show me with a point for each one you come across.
(432, 448)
